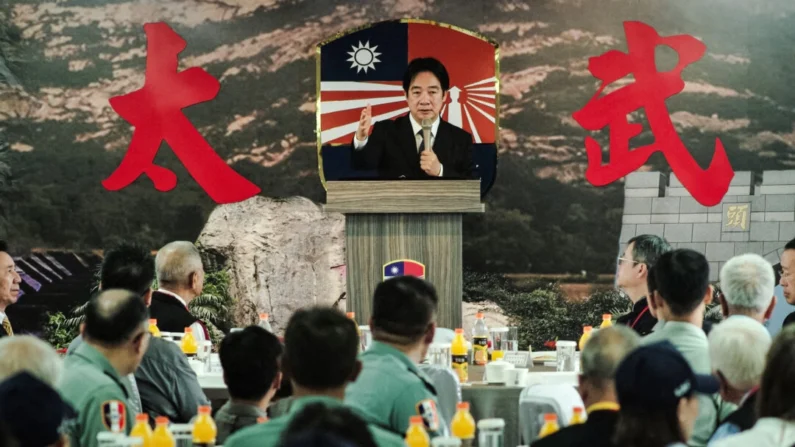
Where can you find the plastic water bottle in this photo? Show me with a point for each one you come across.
(264, 323)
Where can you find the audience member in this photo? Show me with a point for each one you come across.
(180, 274)
(320, 359)
(682, 291)
(747, 282)
(33, 413)
(317, 424)
(640, 255)
(9, 287)
(787, 269)
(737, 350)
(776, 407)
(250, 360)
(657, 392)
(115, 337)
(164, 384)
(391, 387)
(28, 353)
(600, 358)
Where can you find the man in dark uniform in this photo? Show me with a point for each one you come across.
(180, 275)
(601, 356)
(391, 388)
(397, 148)
(9, 287)
(634, 264)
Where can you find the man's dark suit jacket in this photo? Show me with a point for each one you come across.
(171, 315)
(392, 149)
(597, 431)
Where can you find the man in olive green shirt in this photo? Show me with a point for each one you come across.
(391, 387)
(321, 346)
(115, 335)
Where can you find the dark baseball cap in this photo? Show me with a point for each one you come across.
(657, 376)
(32, 411)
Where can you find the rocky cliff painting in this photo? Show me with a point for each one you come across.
(61, 61)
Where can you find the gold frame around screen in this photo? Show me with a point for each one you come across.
(319, 46)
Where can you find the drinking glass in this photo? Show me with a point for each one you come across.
(565, 351)
(511, 341)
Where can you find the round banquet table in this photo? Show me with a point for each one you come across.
(485, 401)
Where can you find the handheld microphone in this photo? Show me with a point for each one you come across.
(426, 133)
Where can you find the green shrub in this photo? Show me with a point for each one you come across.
(57, 332)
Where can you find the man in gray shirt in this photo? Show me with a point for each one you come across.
(679, 293)
(165, 382)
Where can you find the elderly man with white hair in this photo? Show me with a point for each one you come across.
(738, 350)
(28, 353)
(747, 282)
(180, 275)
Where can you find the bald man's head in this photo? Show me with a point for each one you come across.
(114, 317)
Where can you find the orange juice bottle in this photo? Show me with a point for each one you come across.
(550, 425)
(161, 437)
(463, 425)
(153, 328)
(480, 340)
(577, 418)
(142, 430)
(204, 430)
(416, 436)
(189, 345)
(458, 351)
(586, 334)
(264, 322)
(607, 321)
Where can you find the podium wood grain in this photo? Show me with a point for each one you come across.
(432, 239)
(405, 219)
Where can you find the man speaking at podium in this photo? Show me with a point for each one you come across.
(398, 148)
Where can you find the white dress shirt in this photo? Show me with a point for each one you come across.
(417, 129)
(196, 328)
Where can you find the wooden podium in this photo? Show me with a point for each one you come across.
(404, 219)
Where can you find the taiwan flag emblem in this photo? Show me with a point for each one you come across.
(404, 267)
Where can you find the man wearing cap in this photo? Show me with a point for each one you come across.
(321, 345)
(682, 291)
(115, 337)
(391, 387)
(34, 413)
(657, 391)
(601, 356)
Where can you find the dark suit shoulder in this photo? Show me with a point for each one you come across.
(597, 431)
(789, 320)
(458, 132)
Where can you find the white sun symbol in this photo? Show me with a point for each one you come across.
(363, 57)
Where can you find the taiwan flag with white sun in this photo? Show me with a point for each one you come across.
(366, 66)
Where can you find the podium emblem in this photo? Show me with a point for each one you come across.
(404, 267)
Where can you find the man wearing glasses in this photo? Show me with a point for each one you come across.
(633, 268)
(115, 338)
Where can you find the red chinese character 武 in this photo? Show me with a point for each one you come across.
(649, 91)
(155, 110)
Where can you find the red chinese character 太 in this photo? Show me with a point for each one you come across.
(649, 91)
(156, 113)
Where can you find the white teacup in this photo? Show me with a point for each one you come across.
(495, 371)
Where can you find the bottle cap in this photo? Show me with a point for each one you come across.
(578, 409)
(161, 420)
(188, 330)
(586, 329)
(550, 417)
(263, 316)
(607, 317)
(204, 409)
(351, 315)
(459, 331)
(141, 417)
(262, 419)
(416, 420)
(479, 315)
(462, 406)
(153, 321)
